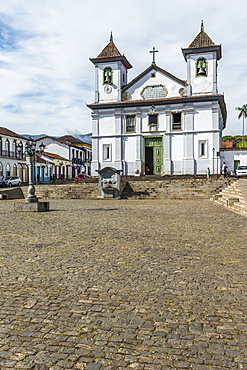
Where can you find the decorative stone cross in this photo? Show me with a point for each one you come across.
(154, 51)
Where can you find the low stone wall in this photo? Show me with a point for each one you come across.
(174, 187)
(11, 193)
(150, 187)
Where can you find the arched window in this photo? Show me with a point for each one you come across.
(7, 169)
(7, 147)
(1, 170)
(201, 67)
(14, 148)
(107, 76)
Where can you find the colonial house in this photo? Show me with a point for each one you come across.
(12, 157)
(158, 122)
(72, 156)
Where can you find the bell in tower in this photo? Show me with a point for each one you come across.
(201, 67)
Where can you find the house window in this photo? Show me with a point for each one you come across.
(201, 67)
(130, 123)
(177, 121)
(107, 76)
(106, 152)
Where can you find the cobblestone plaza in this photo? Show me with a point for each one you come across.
(118, 284)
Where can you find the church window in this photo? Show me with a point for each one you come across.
(130, 123)
(106, 152)
(201, 67)
(153, 74)
(153, 119)
(177, 121)
(202, 148)
(1, 170)
(107, 76)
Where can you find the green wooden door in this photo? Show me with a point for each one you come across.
(155, 161)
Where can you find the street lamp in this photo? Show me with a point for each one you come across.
(30, 149)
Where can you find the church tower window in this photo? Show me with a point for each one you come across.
(201, 67)
(108, 76)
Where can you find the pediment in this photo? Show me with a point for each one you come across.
(154, 83)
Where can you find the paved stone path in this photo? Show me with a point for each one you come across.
(123, 284)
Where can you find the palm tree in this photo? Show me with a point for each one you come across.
(242, 113)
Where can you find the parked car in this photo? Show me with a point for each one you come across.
(81, 176)
(12, 180)
(241, 171)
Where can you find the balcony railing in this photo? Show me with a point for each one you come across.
(77, 161)
(10, 154)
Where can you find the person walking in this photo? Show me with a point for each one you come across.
(208, 173)
(224, 169)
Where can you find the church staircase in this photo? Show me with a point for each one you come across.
(234, 197)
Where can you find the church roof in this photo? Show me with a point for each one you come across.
(156, 68)
(111, 53)
(110, 50)
(200, 42)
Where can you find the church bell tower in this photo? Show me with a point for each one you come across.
(202, 57)
(111, 70)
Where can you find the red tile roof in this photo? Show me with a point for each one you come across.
(55, 156)
(202, 40)
(7, 132)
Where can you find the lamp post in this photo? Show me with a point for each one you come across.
(213, 159)
(30, 149)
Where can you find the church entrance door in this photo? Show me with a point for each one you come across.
(154, 155)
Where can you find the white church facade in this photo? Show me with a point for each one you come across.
(158, 122)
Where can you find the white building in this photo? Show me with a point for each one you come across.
(72, 156)
(158, 121)
(234, 157)
(12, 161)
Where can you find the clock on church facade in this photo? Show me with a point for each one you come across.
(158, 121)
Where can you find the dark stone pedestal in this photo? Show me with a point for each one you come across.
(32, 207)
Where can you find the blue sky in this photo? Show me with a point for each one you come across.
(46, 77)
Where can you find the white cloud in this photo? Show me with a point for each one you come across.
(46, 77)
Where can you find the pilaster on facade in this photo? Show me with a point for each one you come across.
(95, 123)
(188, 113)
(118, 122)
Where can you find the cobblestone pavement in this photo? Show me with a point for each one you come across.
(123, 284)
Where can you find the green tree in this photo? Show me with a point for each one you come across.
(242, 113)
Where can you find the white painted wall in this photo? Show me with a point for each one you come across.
(202, 84)
(160, 79)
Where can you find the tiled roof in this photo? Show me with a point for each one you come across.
(69, 139)
(7, 132)
(110, 50)
(202, 40)
(53, 155)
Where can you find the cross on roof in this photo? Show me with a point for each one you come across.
(153, 51)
